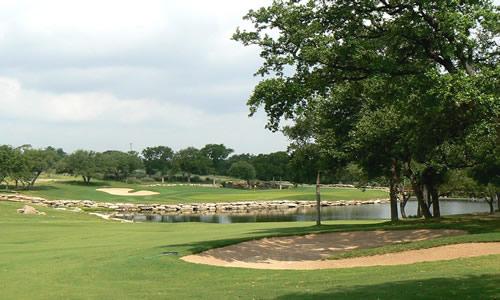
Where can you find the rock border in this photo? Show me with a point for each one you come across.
(241, 206)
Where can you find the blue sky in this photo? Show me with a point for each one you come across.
(103, 74)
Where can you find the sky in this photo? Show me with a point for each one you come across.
(103, 74)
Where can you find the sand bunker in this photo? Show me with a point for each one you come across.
(126, 192)
(309, 251)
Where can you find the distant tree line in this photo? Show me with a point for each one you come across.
(21, 166)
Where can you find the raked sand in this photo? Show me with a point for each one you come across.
(126, 192)
(310, 251)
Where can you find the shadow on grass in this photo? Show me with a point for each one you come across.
(471, 224)
(470, 287)
(34, 188)
(81, 183)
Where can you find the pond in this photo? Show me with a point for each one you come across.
(367, 212)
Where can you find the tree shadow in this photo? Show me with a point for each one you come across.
(469, 287)
(84, 184)
(35, 188)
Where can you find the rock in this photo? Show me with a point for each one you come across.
(29, 210)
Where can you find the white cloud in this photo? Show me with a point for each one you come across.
(84, 107)
(100, 74)
(114, 120)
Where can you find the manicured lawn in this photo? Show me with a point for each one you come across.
(189, 194)
(67, 255)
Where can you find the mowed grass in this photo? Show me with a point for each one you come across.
(189, 194)
(68, 255)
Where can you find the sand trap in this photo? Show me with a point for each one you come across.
(309, 251)
(126, 192)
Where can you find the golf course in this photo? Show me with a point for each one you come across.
(70, 255)
(76, 190)
(66, 254)
(250, 149)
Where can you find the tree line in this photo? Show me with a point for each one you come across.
(23, 165)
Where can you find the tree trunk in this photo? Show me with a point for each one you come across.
(417, 189)
(436, 210)
(424, 209)
(393, 201)
(490, 202)
(498, 201)
(427, 196)
(393, 187)
(213, 180)
(404, 200)
(318, 200)
(162, 179)
(189, 177)
(33, 180)
(281, 187)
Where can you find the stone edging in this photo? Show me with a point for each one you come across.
(184, 208)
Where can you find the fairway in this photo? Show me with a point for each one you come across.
(75, 190)
(68, 255)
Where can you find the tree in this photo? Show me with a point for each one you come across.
(348, 65)
(158, 159)
(7, 156)
(30, 163)
(240, 157)
(272, 166)
(191, 161)
(83, 163)
(243, 170)
(485, 149)
(119, 165)
(217, 154)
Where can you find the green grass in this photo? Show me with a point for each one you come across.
(77, 190)
(68, 255)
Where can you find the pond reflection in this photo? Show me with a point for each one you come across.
(353, 212)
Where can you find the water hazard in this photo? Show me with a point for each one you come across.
(366, 212)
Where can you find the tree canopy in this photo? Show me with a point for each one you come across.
(393, 86)
(243, 170)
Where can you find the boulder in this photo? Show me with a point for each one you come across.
(29, 210)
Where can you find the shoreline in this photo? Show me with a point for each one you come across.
(208, 207)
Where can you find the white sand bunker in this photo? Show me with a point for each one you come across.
(310, 251)
(126, 192)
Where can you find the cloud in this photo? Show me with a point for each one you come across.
(113, 72)
(118, 120)
(89, 107)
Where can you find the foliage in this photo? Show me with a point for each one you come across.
(243, 170)
(391, 86)
(119, 165)
(29, 163)
(217, 154)
(158, 159)
(7, 163)
(84, 163)
(191, 161)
